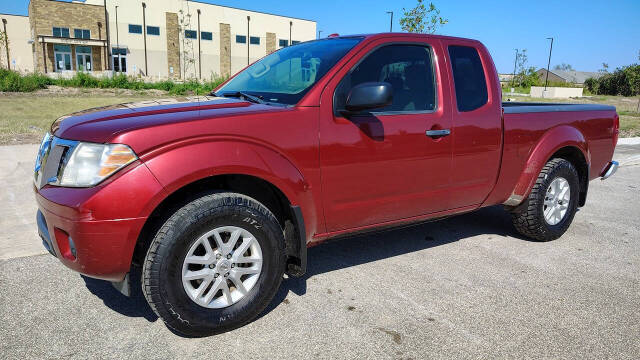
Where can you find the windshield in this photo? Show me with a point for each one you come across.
(286, 75)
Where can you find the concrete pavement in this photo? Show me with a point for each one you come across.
(465, 287)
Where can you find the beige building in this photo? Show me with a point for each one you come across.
(19, 37)
(154, 38)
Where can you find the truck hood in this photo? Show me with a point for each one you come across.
(101, 124)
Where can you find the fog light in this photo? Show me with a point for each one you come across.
(65, 244)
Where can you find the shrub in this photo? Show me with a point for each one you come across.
(15, 82)
(624, 81)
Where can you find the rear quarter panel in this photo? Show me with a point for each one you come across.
(530, 139)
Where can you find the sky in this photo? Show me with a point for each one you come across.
(586, 33)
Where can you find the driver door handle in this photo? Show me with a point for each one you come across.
(438, 133)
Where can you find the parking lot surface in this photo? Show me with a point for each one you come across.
(464, 287)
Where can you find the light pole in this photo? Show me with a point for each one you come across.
(118, 42)
(199, 51)
(391, 22)
(515, 64)
(290, 26)
(319, 33)
(546, 78)
(144, 29)
(106, 28)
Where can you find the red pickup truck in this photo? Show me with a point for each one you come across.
(216, 197)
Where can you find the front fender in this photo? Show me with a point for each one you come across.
(553, 140)
(186, 162)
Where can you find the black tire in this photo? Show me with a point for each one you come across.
(162, 268)
(529, 220)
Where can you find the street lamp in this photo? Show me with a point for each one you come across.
(391, 22)
(248, 37)
(515, 64)
(546, 78)
(118, 42)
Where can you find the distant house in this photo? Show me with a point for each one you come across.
(574, 77)
(505, 79)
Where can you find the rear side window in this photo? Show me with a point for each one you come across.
(468, 77)
(409, 70)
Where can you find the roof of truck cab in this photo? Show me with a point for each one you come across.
(388, 34)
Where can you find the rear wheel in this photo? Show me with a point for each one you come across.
(214, 265)
(552, 204)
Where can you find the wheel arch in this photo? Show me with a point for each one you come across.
(255, 187)
(565, 142)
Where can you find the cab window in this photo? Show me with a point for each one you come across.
(409, 70)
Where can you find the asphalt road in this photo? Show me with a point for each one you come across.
(465, 287)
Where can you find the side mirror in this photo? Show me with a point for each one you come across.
(368, 96)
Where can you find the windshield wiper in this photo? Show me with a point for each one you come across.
(243, 95)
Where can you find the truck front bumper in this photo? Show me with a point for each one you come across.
(609, 170)
(94, 230)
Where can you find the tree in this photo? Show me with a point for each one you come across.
(186, 53)
(4, 43)
(422, 20)
(605, 68)
(563, 67)
(526, 75)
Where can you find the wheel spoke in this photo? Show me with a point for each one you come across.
(218, 239)
(549, 203)
(213, 291)
(233, 240)
(201, 260)
(195, 275)
(207, 246)
(235, 278)
(246, 243)
(202, 287)
(239, 271)
(226, 292)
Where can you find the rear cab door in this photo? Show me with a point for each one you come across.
(381, 166)
(476, 100)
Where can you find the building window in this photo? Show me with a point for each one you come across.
(135, 29)
(61, 32)
(190, 34)
(283, 43)
(254, 40)
(241, 39)
(205, 35)
(119, 51)
(294, 42)
(81, 34)
(153, 30)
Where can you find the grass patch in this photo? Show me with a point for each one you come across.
(26, 117)
(630, 125)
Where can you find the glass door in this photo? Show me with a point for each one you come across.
(119, 60)
(83, 58)
(62, 55)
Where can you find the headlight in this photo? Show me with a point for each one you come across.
(88, 164)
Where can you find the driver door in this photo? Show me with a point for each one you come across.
(381, 166)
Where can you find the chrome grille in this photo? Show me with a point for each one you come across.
(50, 159)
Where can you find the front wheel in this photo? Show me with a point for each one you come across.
(552, 204)
(214, 265)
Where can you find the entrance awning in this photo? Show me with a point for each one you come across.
(71, 41)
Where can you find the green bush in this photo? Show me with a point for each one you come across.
(624, 81)
(15, 82)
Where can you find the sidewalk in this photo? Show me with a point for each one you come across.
(19, 236)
